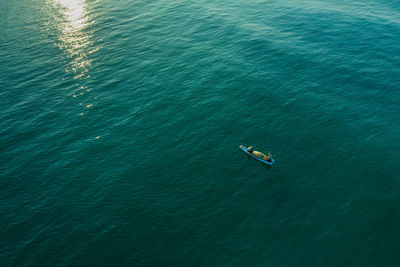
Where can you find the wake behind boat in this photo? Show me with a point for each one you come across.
(266, 159)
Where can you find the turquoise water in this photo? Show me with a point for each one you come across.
(120, 124)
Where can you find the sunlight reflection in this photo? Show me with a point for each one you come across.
(75, 11)
(74, 35)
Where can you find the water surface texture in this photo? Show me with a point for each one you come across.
(120, 124)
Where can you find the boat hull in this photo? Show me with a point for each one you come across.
(243, 148)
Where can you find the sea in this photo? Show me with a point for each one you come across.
(121, 121)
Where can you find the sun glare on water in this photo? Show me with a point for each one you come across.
(75, 12)
(75, 37)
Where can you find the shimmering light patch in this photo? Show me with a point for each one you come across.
(75, 37)
(72, 20)
(75, 11)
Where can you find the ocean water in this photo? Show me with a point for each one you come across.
(120, 124)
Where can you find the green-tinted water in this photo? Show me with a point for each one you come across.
(120, 125)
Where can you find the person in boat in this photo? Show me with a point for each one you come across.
(268, 157)
(260, 155)
(257, 154)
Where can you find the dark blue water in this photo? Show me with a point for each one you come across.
(120, 124)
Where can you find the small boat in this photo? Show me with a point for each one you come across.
(258, 156)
